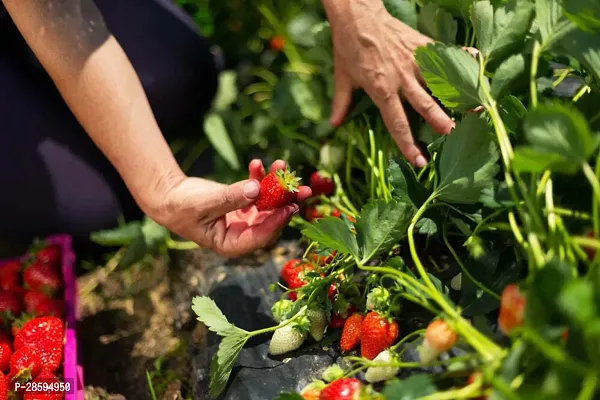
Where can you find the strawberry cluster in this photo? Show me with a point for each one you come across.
(321, 184)
(32, 313)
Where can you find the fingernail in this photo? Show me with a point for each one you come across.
(251, 189)
(420, 162)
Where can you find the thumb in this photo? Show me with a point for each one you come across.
(233, 197)
(342, 97)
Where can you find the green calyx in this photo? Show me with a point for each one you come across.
(288, 180)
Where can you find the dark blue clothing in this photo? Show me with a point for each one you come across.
(53, 177)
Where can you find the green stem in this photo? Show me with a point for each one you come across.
(501, 386)
(463, 268)
(593, 180)
(584, 89)
(488, 349)
(535, 59)
(284, 323)
(561, 77)
(588, 389)
(587, 242)
(177, 245)
(406, 338)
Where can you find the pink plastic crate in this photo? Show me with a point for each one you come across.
(72, 369)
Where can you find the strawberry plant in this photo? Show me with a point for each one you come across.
(510, 200)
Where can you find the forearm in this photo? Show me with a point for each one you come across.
(344, 11)
(102, 89)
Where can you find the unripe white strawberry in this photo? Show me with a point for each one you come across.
(439, 337)
(318, 323)
(379, 374)
(378, 299)
(286, 339)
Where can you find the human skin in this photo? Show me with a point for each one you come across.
(375, 51)
(103, 91)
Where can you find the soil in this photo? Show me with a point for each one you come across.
(139, 321)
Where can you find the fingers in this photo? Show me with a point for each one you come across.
(426, 106)
(277, 164)
(395, 120)
(256, 170)
(232, 197)
(242, 239)
(342, 97)
(304, 192)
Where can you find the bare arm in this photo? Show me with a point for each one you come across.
(100, 86)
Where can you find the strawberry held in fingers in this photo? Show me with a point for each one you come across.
(321, 184)
(512, 309)
(277, 189)
(439, 338)
(378, 333)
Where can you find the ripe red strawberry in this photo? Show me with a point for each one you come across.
(339, 319)
(296, 283)
(51, 353)
(45, 379)
(3, 387)
(331, 292)
(5, 355)
(336, 213)
(25, 363)
(312, 213)
(377, 335)
(277, 43)
(50, 254)
(351, 333)
(322, 260)
(42, 277)
(10, 275)
(321, 184)
(439, 337)
(291, 269)
(512, 309)
(39, 329)
(11, 305)
(277, 189)
(342, 389)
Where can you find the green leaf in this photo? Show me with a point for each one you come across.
(452, 75)
(560, 139)
(300, 29)
(306, 99)
(467, 162)
(154, 234)
(405, 184)
(381, 225)
(513, 112)
(121, 236)
(585, 47)
(584, 13)
(577, 302)
(210, 315)
(551, 21)
(334, 234)
(222, 362)
(482, 18)
(507, 73)
(411, 388)
(512, 23)
(459, 8)
(227, 92)
(437, 23)
(403, 10)
(218, 137)
(426, 226)
(134, 253)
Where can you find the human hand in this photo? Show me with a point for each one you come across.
(375, 51)
(223, 218)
